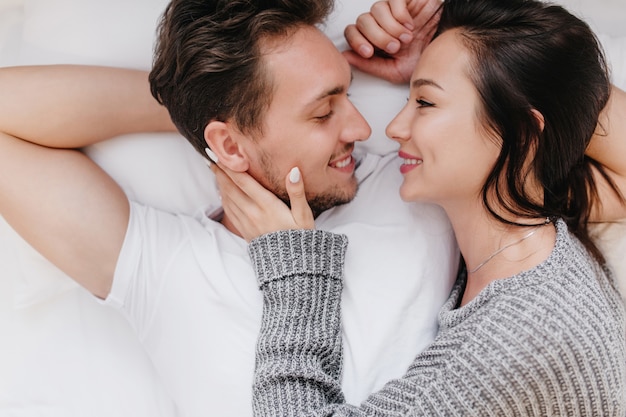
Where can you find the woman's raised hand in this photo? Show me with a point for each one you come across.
(253, 210)
(388, 40)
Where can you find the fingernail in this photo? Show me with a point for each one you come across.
(211, 155)
(294, 175)
(365, 50)
(392, 47)
(406, 38)
(409, 26)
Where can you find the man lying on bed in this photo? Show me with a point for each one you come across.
(266, 91)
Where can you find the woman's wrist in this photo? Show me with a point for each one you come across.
(285, 253)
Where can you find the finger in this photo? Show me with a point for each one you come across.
(240, 220)
(300, 209)
(401, 12)
(241, 211)
(377, 66)
(370, 28)
(249, 186)
(429, 29)
(230, 192)
(425, 14)
(358, 42)
(243, 180)
(394, 17)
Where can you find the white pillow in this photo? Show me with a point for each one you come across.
(615, 48)
(11, 19)
(611, 240)
(112, 32)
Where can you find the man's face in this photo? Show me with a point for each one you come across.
(310, 124)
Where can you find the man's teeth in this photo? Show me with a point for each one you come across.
(412, 161)
(344, 163)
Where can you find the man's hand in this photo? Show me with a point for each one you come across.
(388, 40)
(254, 211)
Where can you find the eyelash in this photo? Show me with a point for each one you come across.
(325, 117)
(423, 103)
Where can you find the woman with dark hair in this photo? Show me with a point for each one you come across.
(503, 105)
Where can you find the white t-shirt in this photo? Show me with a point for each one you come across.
(189, 290)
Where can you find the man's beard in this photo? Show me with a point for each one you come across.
(320, 202)
(331, 197)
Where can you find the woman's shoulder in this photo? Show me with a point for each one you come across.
(566, 300)
(556, 326)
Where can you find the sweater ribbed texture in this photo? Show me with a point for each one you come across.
(547, 342)
(307, 266)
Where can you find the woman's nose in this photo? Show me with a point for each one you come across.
(400, 127)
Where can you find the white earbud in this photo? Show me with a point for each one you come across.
(211, 155)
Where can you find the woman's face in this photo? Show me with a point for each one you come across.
(447, 153)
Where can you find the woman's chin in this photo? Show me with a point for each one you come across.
(412, 194)
(409, 194)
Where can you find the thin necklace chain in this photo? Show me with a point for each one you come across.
(523, 238)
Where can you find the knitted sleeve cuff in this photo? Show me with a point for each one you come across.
(293, 252)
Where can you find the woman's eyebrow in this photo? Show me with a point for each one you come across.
(422, 81)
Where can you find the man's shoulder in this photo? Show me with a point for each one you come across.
(163, 228)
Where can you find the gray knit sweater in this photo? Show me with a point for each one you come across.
(547, 342)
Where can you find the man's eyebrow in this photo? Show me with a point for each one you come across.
(334, 91)
(422, 81)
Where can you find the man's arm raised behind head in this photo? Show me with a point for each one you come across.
(71, 106)
(62, 203)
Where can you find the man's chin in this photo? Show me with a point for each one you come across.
(322, 202)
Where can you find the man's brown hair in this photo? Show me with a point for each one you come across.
(208, 59)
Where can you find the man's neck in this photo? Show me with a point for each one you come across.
(229, 225)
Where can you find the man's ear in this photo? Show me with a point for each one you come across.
(225, 142)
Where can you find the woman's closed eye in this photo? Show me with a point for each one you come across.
(423, 103)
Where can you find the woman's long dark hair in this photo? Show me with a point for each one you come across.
(528, 57)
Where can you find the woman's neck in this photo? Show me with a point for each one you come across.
(493, 250)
